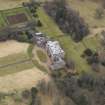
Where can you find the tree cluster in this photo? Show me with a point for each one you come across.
(95, 59)
(68, 19)
(83, 90)
(19, 34)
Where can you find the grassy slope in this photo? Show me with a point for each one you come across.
(87, 10)
(73, 50)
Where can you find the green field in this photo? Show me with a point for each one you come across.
(2, 21)
(73, 50)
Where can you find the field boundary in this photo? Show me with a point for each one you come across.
(22, 61)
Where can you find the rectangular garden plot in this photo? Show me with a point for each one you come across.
(18, 18)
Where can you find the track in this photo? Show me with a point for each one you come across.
(3, 66)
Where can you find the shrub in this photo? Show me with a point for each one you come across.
(39, 24)
(99, 13)
(29, 51)
(88, 52)
(26, 94)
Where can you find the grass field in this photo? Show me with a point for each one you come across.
(15, 63)
(87, 10)
(73, 50)
(19, 60)
(41, 55)
(12, 47)
(7, 4)
(14, 57)
(16, 68)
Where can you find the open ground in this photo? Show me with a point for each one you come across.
(17, 68)
(87, 10)
(14, 57)
(12, 47)
(7, 4)
(22, 80)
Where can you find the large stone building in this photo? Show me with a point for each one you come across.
(57, 54)
(54, 50)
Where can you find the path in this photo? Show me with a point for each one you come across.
(15, 63)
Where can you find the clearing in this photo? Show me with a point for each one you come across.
(7, 4)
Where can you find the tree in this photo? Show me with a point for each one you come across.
(88, 52)
(34, 92)
(103, 4)
(95, 67)
(39, 24)
(86, 81)
(26, 94)
(68, 19)
(82, 100)
(70, 64)
(68, 101)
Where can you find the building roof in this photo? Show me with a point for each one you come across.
(38, 33)
(54, 47)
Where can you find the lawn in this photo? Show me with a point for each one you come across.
(41, 55)
(39, 66)
(73, 50)
(87, 10)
